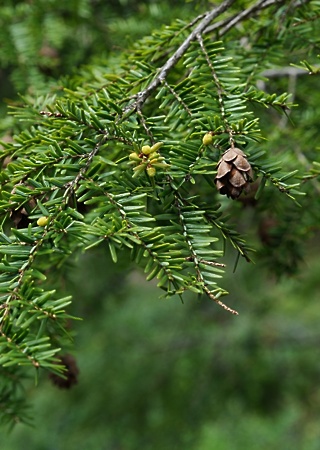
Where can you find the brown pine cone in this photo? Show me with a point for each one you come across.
(234, 173)
(70, 374)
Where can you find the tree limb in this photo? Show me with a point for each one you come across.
(202, 28)
(172, 61)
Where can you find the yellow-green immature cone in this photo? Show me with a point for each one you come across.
(42, 221)
(138, 170)
(134, 157)
(207, 139)
(154, 155)
(156, 146)
(146, 149)
(151, 171)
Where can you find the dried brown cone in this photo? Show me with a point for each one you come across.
(234, 173)
(70, 375)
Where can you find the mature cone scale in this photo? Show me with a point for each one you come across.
(234, 173)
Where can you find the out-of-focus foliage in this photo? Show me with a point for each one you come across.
(71, 163)
(44, 39)
(158, 374)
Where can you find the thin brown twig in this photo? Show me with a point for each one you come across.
(142, 96)
(203, 27)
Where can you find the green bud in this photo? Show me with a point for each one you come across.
(138, 170)
(156, 146)
(42, 221)
(151, 171)
(154, 155)
(207, 139)
(146, 149)
(134, 157)
(161, 165)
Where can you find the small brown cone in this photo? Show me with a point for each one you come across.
(234, 173)
(70, 374)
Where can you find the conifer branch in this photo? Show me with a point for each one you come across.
(225, 25)
(220, 91)
(142, 96)
(71, 187)
(203, 28)
(88, 168)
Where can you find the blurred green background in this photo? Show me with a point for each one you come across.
(165, 375)
(154, 373)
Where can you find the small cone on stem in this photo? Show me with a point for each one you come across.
(234, 173)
